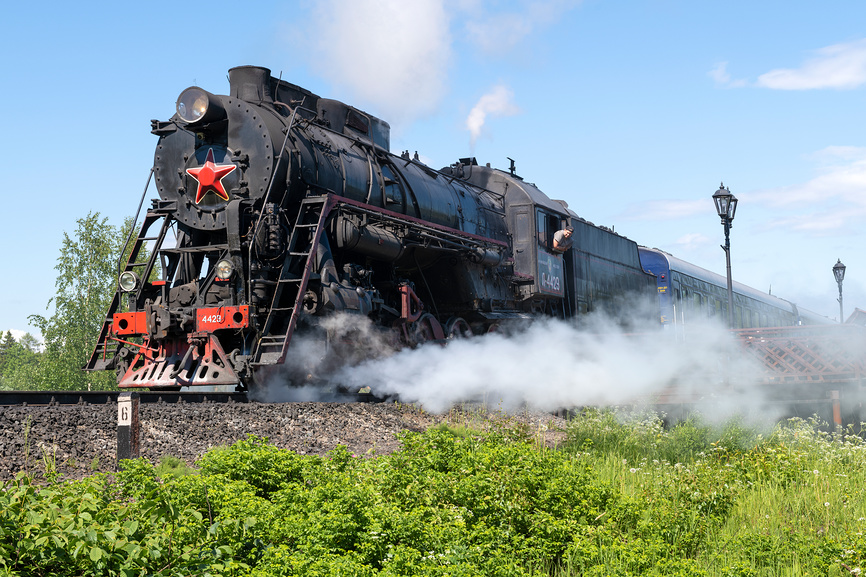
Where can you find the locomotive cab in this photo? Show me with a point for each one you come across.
(601, 272)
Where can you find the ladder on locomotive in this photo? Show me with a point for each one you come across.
(288, 299)
(103, 352)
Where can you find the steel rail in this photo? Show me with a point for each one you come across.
(66, 398)
(85, 398)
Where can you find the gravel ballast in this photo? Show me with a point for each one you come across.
(82, 439)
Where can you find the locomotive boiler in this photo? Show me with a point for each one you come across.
(278, 208)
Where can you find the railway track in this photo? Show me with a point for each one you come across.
(66, 398)
(57, 398)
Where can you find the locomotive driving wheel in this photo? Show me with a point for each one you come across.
(425, 329)
(457, 328)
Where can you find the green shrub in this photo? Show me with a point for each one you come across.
(623, 499)
(254, 461)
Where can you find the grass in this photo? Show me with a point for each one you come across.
(623, 495)
(785, 502)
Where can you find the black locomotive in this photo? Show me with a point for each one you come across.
(278, 208)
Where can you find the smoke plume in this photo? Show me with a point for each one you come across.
(497, 102)
(553, 364)
(547, 364)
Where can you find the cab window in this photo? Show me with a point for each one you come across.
(546, 226)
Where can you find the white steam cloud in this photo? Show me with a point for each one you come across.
(498, 102)
(547, 365)
(553, 365)
(332, 343)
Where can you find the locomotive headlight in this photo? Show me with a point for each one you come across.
(224, 269)
(128, 281)
(198, 106)
(192, 104)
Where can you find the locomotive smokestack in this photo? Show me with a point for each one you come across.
(251, 83)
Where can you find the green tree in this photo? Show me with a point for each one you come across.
(19, 361)
(6, 345)
(30, 343)
(86, 281)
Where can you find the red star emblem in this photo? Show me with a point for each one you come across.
(210, 177)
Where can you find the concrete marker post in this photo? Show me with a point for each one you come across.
(127, 427)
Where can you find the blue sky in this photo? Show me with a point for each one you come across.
(631, 111)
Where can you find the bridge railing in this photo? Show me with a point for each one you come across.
(806, 354)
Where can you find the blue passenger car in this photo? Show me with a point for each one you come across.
(688, 292)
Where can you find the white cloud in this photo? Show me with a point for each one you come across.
(390, 53)
(841, 66)
(816, 224)
(498, 102)
(720, 73)
(722, 78)
(498, 33)
(691, 241)
(394, 57)
(667, 209)
(842, 177)
(831, 202)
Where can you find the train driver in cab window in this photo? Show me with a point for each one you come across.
(562, 240)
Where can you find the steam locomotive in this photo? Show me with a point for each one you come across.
(279, 208)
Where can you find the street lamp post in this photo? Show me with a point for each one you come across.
(839, 273)
(726, 206)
